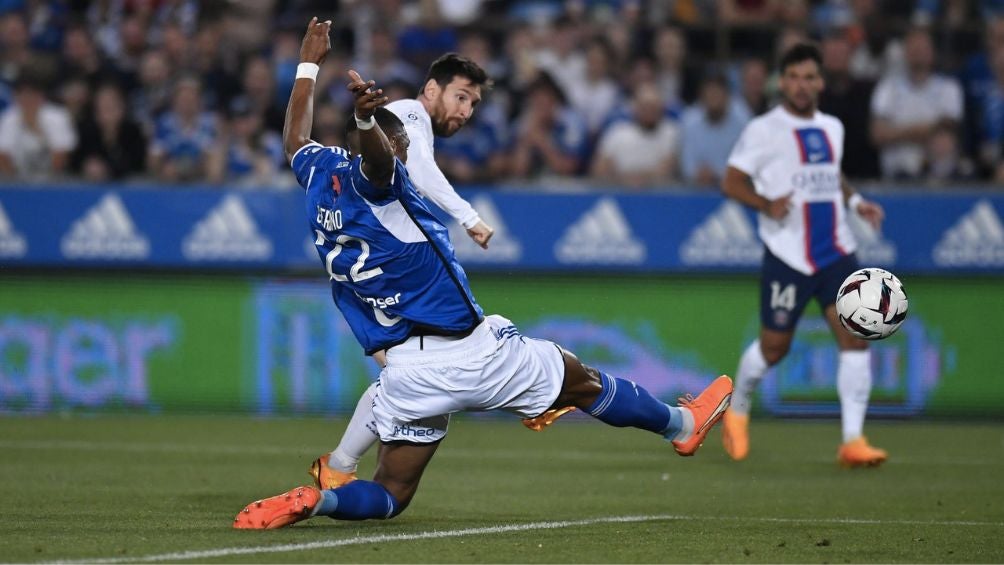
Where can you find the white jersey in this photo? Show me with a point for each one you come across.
(786, 154)
(422, 167)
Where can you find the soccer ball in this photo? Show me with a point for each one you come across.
(871, 303)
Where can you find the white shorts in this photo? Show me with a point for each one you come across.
(494, 368)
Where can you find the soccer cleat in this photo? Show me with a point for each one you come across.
(858, 453)
(707, 409)
(546, 419)
(735, 434)
(278, 511)
(325, 477)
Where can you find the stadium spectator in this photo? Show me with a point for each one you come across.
(259, 92)
(383, 64)
(112, 145)
(16, 52)
(943, 160)
(183, 137)
(478, 152)
(844, 98)
(709, 129)
(642, 151)
(427, 38)
(248, 155)
(991, 120)
(907, 107)
(217, 73)
(979, 80)
(600, 93)
(753, 74)
(36, 136)
(551, 138)
(560, 57)
(153, 94)
(75, 95)
(81, 58)
(669, 47)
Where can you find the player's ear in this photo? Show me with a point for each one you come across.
(431, 89)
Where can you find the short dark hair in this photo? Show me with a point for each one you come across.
(444, 69)
(799, 53)
(387, 120)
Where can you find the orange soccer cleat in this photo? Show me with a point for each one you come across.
(325, 477)
(546, 419)
(278, 511)
(707, 409)
(858, 453)
(735, 434)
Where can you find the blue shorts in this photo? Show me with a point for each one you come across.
(784, 292)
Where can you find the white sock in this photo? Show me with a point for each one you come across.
(854, 384)
(358, 437)
(752, 366)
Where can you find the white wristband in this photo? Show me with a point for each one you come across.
(853, 201)
(307, 70)
(364, 124)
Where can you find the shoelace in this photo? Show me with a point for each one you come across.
(687, 400)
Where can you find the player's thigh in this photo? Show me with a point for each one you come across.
(581, 386)
(400, 466)
(784, 294)
(830, 279)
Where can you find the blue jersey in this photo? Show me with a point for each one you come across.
(392, 268)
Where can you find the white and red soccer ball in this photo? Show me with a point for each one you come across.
(871, 303)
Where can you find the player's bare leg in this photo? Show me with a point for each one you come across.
(854, 384)
(768, 350)
(623, 403)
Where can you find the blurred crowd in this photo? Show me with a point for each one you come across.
(641, 94)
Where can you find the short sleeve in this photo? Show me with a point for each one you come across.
(8, 132)
(315, 159)
(749, 151)
(59, 130)
(951, 100)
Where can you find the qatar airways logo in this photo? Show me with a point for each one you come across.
(817, 181)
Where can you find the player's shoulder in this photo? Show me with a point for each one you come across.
(408, 110)
(314, 155)
(829, 121)
(765, 123)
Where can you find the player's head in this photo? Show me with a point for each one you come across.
(801, 78)
(452, 90)
(392, 127)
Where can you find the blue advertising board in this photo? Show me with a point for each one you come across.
(104, 226)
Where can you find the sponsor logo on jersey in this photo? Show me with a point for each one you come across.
(976, 240)
(725, 238)
(105, 231)
(814, 146)
(873, 248)
(601, 236)
(12, 243)
(502, 247)
(227, 233)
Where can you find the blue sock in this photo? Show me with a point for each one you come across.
(358, 500)
(622, 403)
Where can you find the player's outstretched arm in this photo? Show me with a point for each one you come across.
(300, 111)
(375, 148)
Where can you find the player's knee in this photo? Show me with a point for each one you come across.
(773, 353)
(582, 383)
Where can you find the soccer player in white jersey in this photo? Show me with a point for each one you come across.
(447, 101)
(397, 282)
(786, 166)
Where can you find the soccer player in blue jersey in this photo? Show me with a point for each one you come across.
(397, 283)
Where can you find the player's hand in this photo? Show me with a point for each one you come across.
(316, 42)
(871, 212)
(367, 101)
(481, 233)
(777, 209)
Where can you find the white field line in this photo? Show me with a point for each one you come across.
(446, 452)
(386, 538)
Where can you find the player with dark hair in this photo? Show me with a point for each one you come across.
(786, 165)
(400, 288)
(453, 88)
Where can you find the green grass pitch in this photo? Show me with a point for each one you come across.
(165, 488)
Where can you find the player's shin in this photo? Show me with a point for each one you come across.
(358, 500)
(752, 367)
(623, 403)
(854, 384)
(359, 435)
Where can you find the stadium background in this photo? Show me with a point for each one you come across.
(150, 267)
